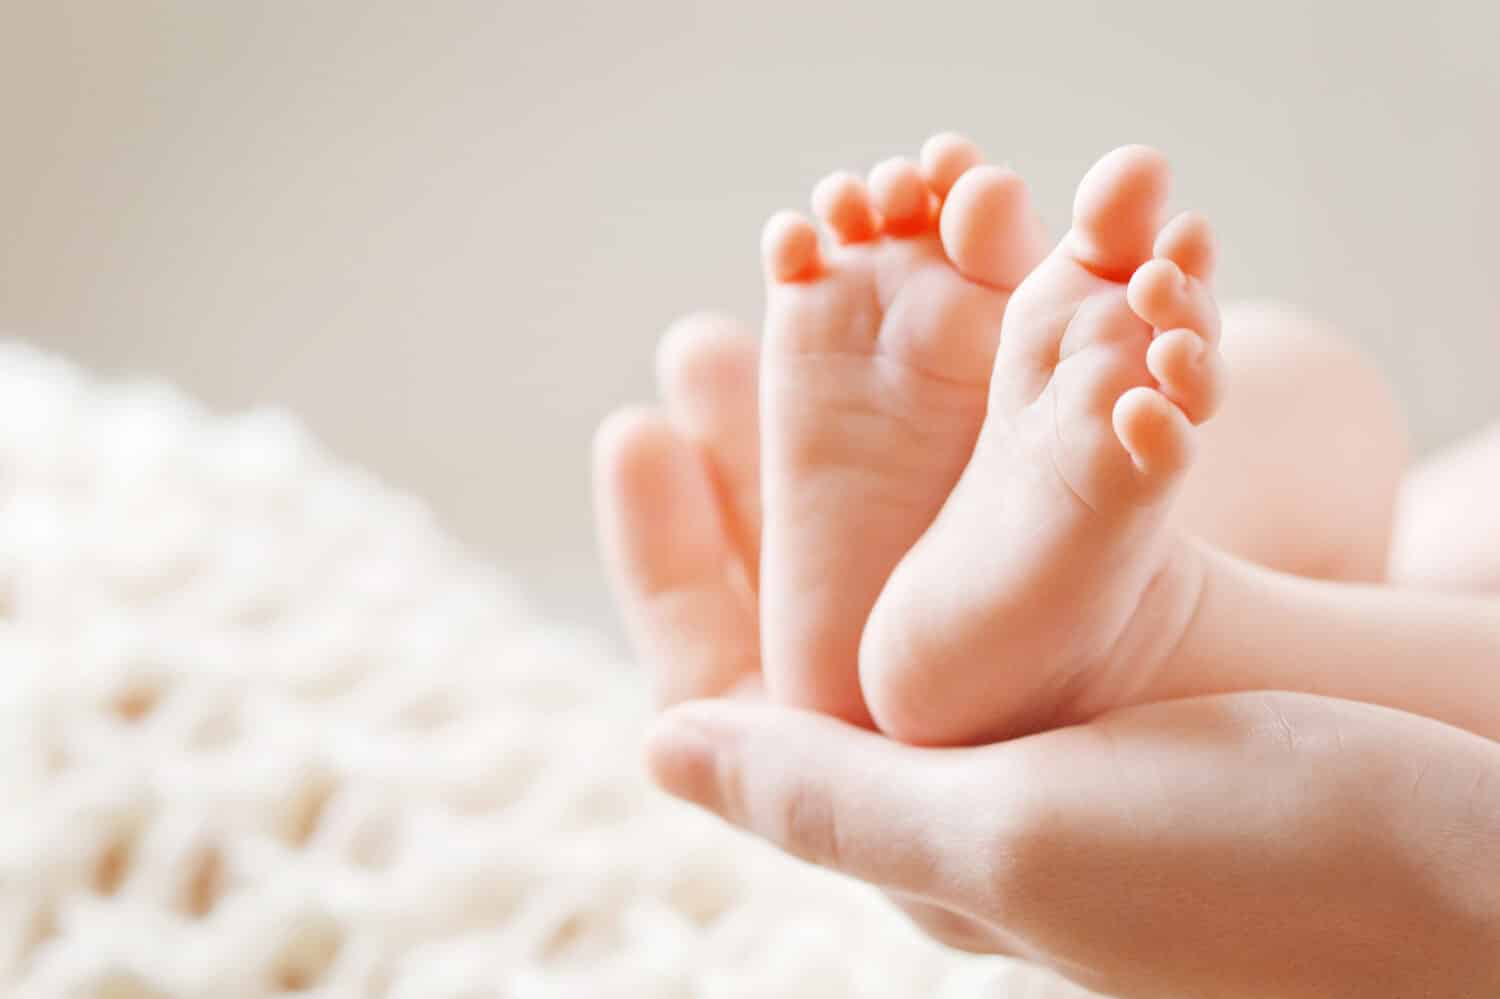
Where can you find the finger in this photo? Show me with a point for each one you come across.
(708, 369)
(829, 793)
(670, 560)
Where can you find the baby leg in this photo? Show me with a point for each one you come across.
(1300, 469)
(1448, 522)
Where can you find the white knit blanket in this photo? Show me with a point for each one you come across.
(264, 729)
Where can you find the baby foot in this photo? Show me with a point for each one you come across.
(1050, 585)
(874, 375)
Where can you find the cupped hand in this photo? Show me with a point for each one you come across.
(1248, 845)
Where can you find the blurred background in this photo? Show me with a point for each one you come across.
(447, 234)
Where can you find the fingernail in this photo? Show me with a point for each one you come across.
(682, 757)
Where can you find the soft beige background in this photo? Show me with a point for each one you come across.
(448, 233)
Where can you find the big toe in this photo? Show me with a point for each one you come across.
(1118, 211)
(989, 228)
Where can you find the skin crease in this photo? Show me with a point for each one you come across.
(1391, 818)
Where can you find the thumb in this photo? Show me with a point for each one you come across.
(832, 794)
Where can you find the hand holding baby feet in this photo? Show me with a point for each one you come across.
(874, 375)
(1051, 584)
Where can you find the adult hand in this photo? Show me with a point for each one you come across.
(1249, 845)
